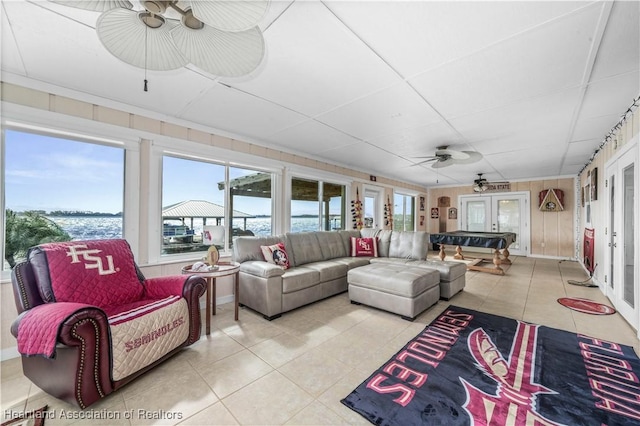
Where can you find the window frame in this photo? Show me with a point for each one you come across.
(320, 177)
(414, 196)
(48, 125)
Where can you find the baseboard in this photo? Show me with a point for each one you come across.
(9, 353)
(542, 256)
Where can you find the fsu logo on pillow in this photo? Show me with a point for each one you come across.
(364, 247)
(276, 254)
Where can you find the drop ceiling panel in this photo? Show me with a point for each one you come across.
(591, 127)
(385, 112)
(541, 160)
(236, 112)
(421, 141)
(518, 68)
(620, 49)
(315, 63)
(362, 154)
(611, 94)
(545, 118)
(581, 149)
(311, 137)
(419, 35)
(11, 60)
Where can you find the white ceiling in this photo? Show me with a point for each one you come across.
(533, 86)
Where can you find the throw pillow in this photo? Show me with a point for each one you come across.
(364, 247)
(276, 254)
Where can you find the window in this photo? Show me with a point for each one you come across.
(250, 205)
(196, 207)
(403, 212)
(308, 213)
(59, 190)
(191, 199)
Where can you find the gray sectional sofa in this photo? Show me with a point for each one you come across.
(320, 262)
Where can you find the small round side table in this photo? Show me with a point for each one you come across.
(223, 269)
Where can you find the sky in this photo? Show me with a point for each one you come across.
(50, 173)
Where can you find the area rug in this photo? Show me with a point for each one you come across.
(586, 306)
(28, 418)
(473, 368)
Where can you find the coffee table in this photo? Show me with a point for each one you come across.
(224, 269)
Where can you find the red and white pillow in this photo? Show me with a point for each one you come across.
(276, 254)
(364, 247)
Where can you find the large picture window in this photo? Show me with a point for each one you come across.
(59, 190)
(316, 205)
(403, 212)
(196, 208)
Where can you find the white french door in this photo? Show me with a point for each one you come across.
(621, 276)
(500, 212)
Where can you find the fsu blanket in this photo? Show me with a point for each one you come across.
(472, 368)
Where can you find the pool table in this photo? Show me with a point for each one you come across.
(494, 240)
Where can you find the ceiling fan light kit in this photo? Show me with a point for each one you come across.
(220, 37)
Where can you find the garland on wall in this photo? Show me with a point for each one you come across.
(609, 136)
(356, 212)
(387, 214)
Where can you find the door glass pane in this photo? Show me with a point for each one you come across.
(369, 211)
(509, 219)
(628, 235)
(476, 216)
(612, 227)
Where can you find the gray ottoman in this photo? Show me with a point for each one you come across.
(452, 275)
(401, 289)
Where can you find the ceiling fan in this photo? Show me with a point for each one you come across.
(220, 37)
(481, 184)
(445, 157)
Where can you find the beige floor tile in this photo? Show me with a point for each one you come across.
(272, 399)
(296, 369)
(315, 372)
(214, 415)
(316, 414)
(232, 373)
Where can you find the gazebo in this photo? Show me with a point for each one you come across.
(191, 209)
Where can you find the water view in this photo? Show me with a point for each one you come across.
(89, 228)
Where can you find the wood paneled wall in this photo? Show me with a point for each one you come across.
(553, 234)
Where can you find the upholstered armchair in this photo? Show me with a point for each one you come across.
(89, 322)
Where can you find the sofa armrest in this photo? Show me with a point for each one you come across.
(191, 287)
(261, 269)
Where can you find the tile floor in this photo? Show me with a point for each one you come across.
(295, 369)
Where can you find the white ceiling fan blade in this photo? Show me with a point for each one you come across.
(472, 157)
(96, 5)
(223, 53)
(127, 38)
(230, 15)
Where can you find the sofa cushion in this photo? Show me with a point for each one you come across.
(331, 245)
(305, 247)
(329, 269)
(384, 239)
(299, 278)
(353, 262)
(276, 254)
(346, 239)
(409, 245)
(261, 269)
(248, 248)
(364, 247)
